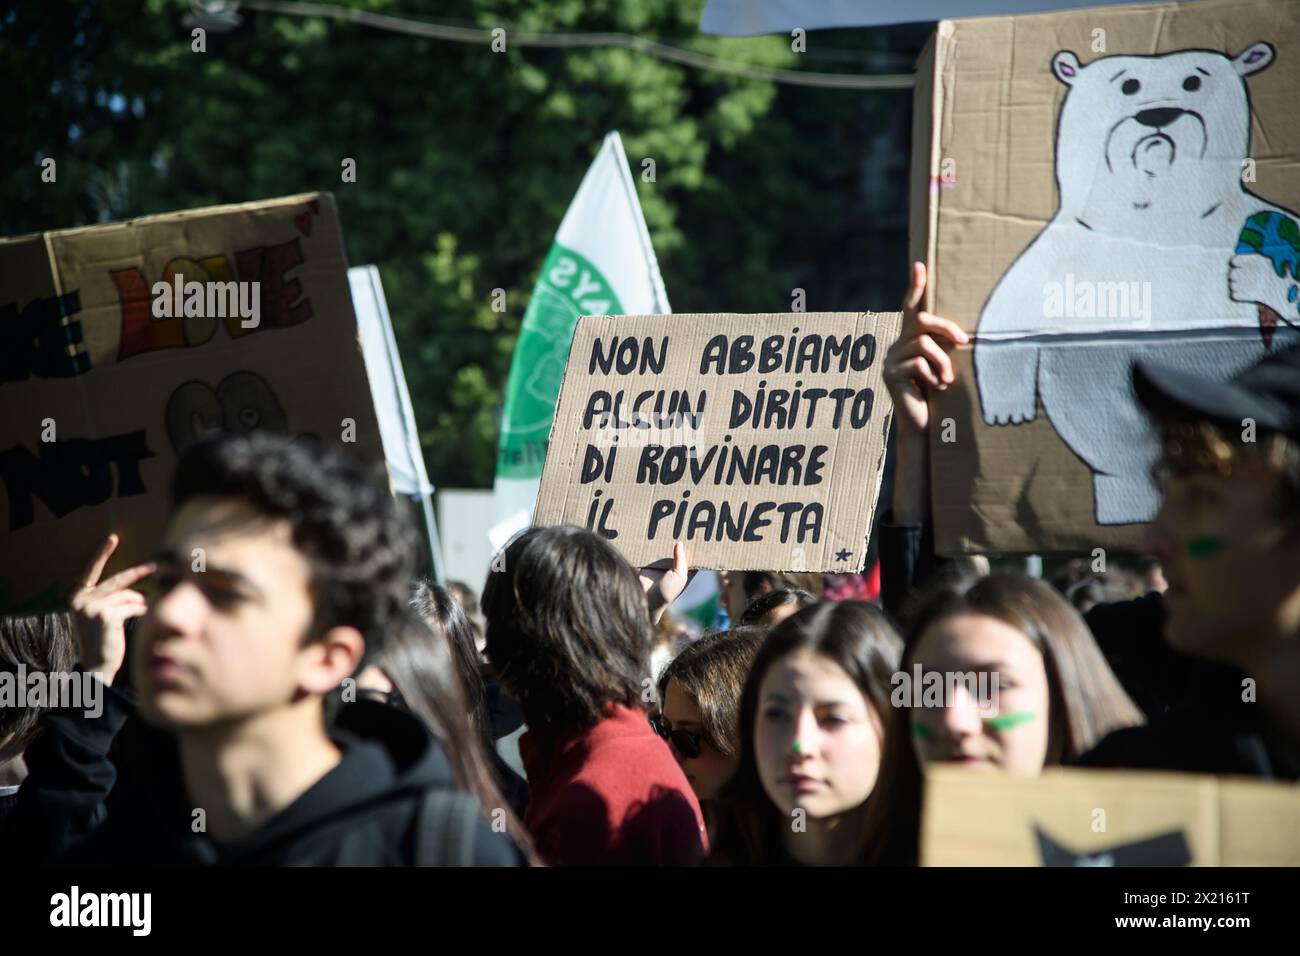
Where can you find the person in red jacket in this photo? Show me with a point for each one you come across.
(569, 632)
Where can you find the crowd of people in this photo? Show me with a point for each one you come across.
(294, 695)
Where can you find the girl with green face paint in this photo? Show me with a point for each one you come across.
(1007, 721)
(995, 699)
(999, 723)
(1052, 696)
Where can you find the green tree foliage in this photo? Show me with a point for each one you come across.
(466, 159)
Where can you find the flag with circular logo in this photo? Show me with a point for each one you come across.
(601, 263)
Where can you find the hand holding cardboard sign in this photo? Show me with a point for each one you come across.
(919, 359)
(917, 362)
(663, 587)
(100, 611)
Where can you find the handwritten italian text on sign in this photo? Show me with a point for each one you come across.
(759, 440)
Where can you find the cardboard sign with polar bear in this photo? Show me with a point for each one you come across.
(1132, 195)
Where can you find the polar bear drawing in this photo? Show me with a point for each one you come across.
(1157, 250)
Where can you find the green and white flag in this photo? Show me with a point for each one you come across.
(601, 263)
(698, 605)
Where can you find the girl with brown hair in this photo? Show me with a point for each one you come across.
(415, 671)
(811, 729)
(1049, 696)
(699, 708)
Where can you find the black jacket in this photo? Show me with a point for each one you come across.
(1222, 738)
(1197, 720)
(366, 811)
(1200, 716)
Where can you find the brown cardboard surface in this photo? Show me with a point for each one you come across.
(824, 513)
(1021, 205)
(1107, 818)
(125, 390)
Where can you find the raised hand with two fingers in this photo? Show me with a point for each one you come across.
(100, 610)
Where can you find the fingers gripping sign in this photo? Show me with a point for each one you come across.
(918, 365)
(920, 360)
(662, 587)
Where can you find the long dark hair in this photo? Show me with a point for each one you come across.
(39, 642)
(419, 664)
(568, 630)
(1086, 700)
(436, 605)
(856, 636)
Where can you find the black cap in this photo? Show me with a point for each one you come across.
(1267, 392)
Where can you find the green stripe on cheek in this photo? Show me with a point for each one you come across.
(1203, 546)
(1007, 721)
(921, 732)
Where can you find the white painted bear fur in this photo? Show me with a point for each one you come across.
(1149, 169)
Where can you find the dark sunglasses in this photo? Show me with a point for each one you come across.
(687, 743)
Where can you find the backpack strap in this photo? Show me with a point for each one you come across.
(445, 834)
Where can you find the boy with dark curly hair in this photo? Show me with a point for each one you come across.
(281, 571)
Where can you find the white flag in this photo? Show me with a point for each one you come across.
(601, 263)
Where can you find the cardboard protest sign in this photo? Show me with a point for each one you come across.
(1107, 818)
(757, 439)
(123, 344)
(1089, 188)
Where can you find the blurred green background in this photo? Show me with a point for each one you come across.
(466, 159)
